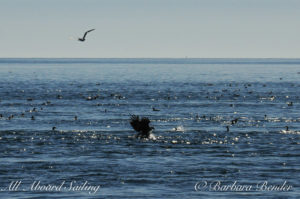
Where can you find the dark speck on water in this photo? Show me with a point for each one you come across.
(218, 120)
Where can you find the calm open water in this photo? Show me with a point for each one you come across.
(193, 155)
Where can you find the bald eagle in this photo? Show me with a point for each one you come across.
(141, 126)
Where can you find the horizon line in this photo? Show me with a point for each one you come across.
(149, 57)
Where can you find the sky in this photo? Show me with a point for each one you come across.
(150, 28)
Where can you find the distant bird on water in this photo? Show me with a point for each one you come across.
(154, 109)
(141, 126)
(83, 38)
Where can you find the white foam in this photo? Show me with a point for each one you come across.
(178, 129)
(290, 132)
(152, 136)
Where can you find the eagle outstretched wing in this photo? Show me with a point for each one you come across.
(135, 123)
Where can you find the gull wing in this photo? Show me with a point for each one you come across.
(87, 33)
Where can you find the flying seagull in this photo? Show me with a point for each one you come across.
(141, 126)
(83, 38)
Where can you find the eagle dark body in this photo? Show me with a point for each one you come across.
(141, 126)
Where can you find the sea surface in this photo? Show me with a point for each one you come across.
(92, 152)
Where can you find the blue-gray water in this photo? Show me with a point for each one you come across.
(198, 97)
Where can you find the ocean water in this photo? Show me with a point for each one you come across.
(193, 155)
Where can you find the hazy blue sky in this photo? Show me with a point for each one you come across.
(150, 28)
